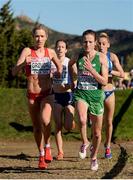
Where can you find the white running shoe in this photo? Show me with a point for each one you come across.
(94, 165)
(82, 153)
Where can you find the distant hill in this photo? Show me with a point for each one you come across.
(26, 22)
(121, 40)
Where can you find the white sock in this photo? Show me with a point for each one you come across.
(41, 153)
(47, 145)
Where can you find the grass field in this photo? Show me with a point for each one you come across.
(15, 122)
(19, 154)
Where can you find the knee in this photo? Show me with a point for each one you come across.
(45, 122)
(109, 123)
(82, 121)
(97, 134)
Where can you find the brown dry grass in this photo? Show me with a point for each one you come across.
(18, 160)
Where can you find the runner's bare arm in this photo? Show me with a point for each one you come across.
(73, 75)
(55, 60)
(118, 69)
(104, 69)
(73, 72)
(21, 61)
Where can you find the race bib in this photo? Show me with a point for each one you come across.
(87, 83)
(40, 65)
(64, 77)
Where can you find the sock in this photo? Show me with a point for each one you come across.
(41, 153)
(47, 145)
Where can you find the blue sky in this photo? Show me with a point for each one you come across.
(75, 16)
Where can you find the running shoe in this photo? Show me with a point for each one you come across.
(48, 156)
(60, 156)
(82, 153)
(42, 164)
(108, 153)
(94, 165)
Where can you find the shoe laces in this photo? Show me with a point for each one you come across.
(108, 150)
(41, 158)
(94, 162)
(48, 149)
(83, 148)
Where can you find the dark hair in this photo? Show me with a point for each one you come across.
(38, 27)
(62, 40)
(89, 31)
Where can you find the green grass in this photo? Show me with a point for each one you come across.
(13, 109)
(124, 113)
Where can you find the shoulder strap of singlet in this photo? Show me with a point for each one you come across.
(110, 65)
(108, 55)
(98, 54)
(96, 57)
(33, 54)
(46, 52)
(66, 60)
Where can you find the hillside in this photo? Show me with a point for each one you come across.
(121, 40)
(26, 22)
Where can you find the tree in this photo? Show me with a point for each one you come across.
(12, 41)
(7, 31)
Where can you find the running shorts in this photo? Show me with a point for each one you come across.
(93, 98)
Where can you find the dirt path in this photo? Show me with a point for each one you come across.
(18, 160)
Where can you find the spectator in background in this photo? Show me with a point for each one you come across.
(121, 84)
(130, 83)
(125, 84)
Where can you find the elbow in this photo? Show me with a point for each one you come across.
(105, 82)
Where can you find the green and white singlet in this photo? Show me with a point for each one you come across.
(88, 89)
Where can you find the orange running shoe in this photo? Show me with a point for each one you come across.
(60, 156)
(48, 156)
(42, 164)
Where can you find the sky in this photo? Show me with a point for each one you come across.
(76, 16)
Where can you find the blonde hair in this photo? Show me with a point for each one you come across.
(38, 27)
(104, 35)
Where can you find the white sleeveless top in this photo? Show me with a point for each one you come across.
(65, 76)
